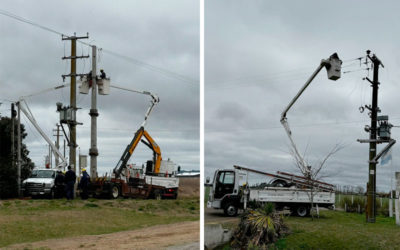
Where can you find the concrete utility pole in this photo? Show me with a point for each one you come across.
(57, 142)
(72, 75)
(19, 150)
(93, 151)
(371, 192)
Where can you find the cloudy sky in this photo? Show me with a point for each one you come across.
(156, 33)
(258, 54)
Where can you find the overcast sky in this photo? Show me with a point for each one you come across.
(164, 34)
(258, 55)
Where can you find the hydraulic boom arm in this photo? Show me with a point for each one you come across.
(132, 146)
(30, 117)
(138, 137)
(333, 66)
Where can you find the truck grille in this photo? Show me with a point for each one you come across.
(35, 187)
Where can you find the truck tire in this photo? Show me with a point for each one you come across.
(52, 194)
(302, 211)
(230, 209)
(157, 194)
(114, 192)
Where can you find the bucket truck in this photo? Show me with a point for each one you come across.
(230, 190)
(155, 180)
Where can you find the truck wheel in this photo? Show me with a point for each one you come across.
(230, 210)
(302, 211)
(52, 194)
(115, 192)
(157, 195)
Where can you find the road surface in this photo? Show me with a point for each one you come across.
(177, 236)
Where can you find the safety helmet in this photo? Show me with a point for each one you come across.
(84, 170)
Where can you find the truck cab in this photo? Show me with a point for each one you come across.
(40, 183)
(225, 190)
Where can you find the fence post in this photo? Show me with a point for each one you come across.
(396, 199)
(391, 204)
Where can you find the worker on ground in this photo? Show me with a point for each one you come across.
(84, 184)
(70, 179)
(60, 183)
(103, 74)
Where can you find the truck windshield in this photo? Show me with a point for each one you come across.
(42, 174)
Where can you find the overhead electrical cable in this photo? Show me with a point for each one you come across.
(134, 61)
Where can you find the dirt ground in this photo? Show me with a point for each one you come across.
(216, 216)
(189, 187)
(182, 236)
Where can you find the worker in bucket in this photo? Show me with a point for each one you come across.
(84, 184)
(102, 74)
(70, 178)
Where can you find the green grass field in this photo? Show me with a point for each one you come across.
(339, 230)
(35, 220)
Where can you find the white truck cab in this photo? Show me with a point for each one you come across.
(41, 182)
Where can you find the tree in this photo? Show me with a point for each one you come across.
(8, 172)
(312, 174)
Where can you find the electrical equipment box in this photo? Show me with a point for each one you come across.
(67, 115)
(104, 86)
(84, 86)
(334, 67)
(384, 127)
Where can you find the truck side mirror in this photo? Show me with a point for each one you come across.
(208, 179)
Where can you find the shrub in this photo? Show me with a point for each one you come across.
(259, 227)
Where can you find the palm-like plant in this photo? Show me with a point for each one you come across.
(259, 227)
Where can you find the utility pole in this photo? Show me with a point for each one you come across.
(72, 75)
(93, 151)
(377, 135)
(57, 142)
(371, 193)
(13, 114)
(19, 150)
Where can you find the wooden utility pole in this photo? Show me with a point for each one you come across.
(13, 114)
(371, 192)
(19, 150)
(72, 75)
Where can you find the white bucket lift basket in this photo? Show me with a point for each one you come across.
(84, 86)
(104, 86)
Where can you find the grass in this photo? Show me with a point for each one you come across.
(339, 230)
(35, 220)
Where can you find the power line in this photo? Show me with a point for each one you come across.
(137, 62)
(154, 68)
(227, 130)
